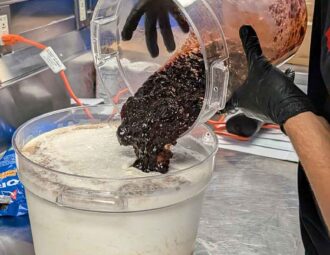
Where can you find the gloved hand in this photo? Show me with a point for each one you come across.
(243, 126)
(155, 11)
(268, 94)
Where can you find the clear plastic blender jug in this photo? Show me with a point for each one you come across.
(81, 200)
(124, 66)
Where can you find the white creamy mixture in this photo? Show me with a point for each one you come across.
(163, 223)
(93, 151)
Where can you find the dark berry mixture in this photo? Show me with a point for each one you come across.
(169, 103)
(164, 108)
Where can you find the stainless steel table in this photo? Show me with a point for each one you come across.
(251, 208)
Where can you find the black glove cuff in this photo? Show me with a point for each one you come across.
(283, 130)
(300, 105)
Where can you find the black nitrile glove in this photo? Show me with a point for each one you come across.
(243, 126)
(155, 11)
(268, 94)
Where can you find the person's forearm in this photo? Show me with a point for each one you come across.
(310, 136)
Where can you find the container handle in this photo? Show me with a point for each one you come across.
(218, 84)
(90, 200)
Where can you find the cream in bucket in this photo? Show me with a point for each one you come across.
(83, 201)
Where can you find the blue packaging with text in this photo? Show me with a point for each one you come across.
(12, 195)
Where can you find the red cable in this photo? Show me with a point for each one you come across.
(117, 97)
(72, 94)
(12, 39)
(68, 88)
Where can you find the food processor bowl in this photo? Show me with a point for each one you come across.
(123, 66)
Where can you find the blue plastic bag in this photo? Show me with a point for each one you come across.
(12, 195)
(6, 133)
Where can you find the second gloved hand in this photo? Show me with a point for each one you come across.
(268, 94)
(243, 126)
(155, 11)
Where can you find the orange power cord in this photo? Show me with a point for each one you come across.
(11, 39)
(218, 125)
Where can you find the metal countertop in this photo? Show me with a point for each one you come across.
(250, 208)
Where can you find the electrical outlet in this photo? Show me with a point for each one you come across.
(4, 25)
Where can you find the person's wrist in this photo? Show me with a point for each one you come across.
(295, 121)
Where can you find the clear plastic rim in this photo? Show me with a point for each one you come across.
(20, 154)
